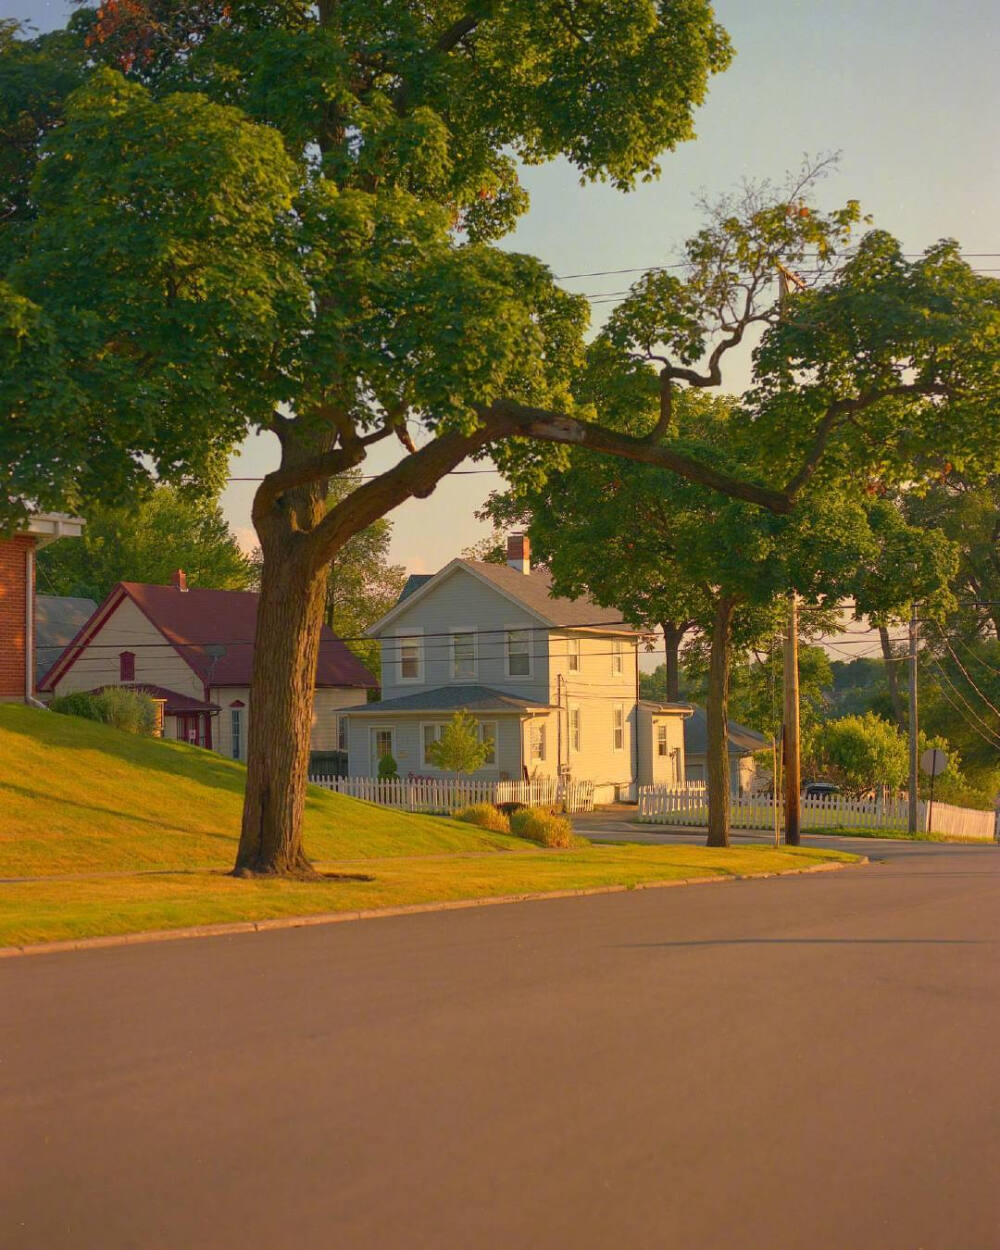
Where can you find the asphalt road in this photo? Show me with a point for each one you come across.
(795, 1064)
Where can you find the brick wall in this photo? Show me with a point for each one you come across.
(13, 554)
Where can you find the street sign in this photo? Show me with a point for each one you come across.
(934, 761)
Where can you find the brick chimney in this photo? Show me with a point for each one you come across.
(179, 580)
(519, 552)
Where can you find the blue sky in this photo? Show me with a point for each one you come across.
(906, 92)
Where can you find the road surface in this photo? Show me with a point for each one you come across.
(795, 1064)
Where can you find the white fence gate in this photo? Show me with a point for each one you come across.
(687, 806)
(423, 794)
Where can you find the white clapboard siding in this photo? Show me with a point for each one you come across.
(425, 794)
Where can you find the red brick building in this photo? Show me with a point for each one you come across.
(17, 600)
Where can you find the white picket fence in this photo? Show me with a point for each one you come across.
(424, 794)
(686, 806)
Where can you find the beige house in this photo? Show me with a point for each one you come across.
(553, 682)
(192, 651)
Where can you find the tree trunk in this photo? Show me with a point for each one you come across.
(892, 678)
(717, 723)
(673, 635)
(289, 617)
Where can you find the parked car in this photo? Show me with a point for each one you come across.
(820, 789)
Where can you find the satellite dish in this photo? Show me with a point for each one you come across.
(934, 761)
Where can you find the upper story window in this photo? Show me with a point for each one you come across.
(126, 666)
(573, 653)
(617, 656)
(411, 658)
(618, 727)
(463, 654)
(518, 652)
(662, 747)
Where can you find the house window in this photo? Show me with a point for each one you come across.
(661, 740)
(341, 733)
(488, 733)
(574, 729)
(573, 651)
(518, 653)
(410, 658)
(429, 734)
(463, 654)
(618, 723)
(536, 740)
(236, 731)
(382, 745)
(126, 666)
(617, 657)
(675, 764)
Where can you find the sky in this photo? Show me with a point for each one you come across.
(906, 92)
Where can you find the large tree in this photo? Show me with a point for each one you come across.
(280, 216)
(146, 542)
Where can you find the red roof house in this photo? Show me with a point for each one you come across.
(192, 650)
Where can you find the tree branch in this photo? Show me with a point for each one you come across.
(555, 427)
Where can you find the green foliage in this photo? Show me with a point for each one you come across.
(131, 711)
(79, 703)
(485, 816)
(460, 748)
(388, 769)
(538, 825)
(147, 542)
(861, 753)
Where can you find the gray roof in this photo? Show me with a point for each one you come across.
(534, 590)
(58, 619)
(412, 583)
(742, 741)
(452, 699)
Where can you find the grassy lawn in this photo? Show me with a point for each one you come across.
(128, 834)
(895, 835)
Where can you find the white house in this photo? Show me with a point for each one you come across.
(553, 682)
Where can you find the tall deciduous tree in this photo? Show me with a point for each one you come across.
(282, 216)
(146, 543)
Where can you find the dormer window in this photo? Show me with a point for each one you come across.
(126, 666)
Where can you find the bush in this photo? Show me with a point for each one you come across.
(538, 825)
(78, 704)
(117, 706)
(486, 816)
(388, 769)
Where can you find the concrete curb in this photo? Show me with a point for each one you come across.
(377, 913)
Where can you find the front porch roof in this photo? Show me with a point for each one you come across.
(452, 699)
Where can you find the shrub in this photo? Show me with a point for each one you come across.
(542, 826)
(78, 704)
(486, 816)
(388, 769)
(128, 710)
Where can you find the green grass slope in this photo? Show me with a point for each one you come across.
(78, 797)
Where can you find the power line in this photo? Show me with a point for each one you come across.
(990, 736)
(965, 674)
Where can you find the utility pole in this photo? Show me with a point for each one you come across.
(914, 726)
(793, 764)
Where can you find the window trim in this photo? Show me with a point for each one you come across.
(374, 758)
(126, 666)
(417, 634)
(495, 735)
(426, 724)
(617, 710)
(574, 651)
(236, 734)
(662, 740)
(537, 723)
(617, 657)
(575, 730)
(518, 629)
(453, 631)
(439, 726)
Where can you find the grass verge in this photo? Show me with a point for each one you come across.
(45, 911)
